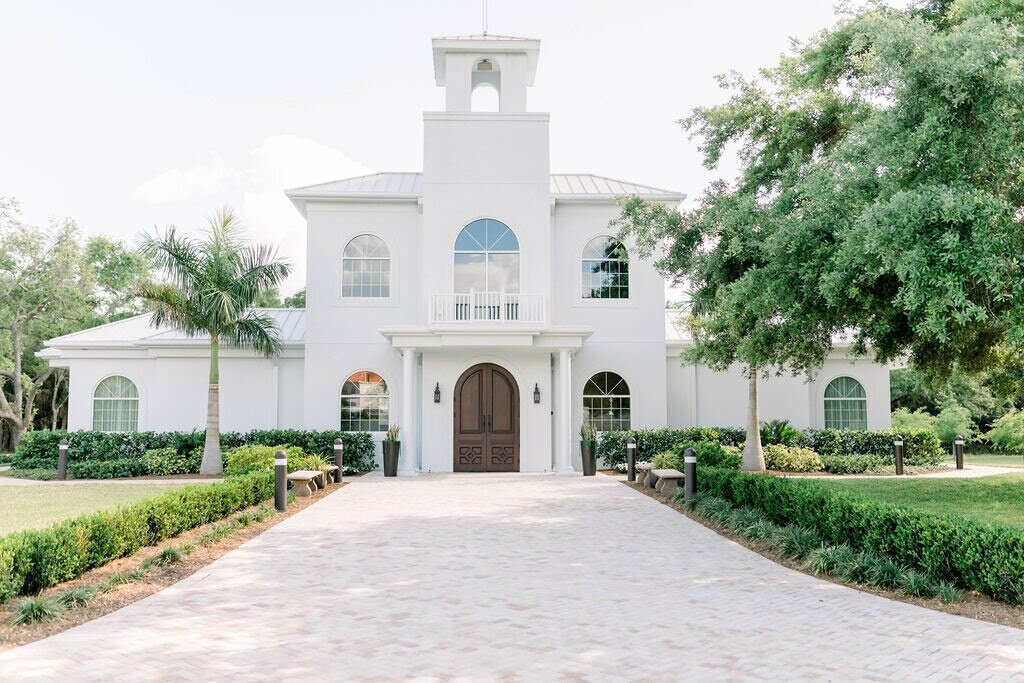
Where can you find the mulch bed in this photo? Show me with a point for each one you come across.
(158, 577)
(972, 604)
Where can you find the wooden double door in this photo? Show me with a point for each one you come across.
(486, 420)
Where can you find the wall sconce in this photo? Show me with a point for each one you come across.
(437, 392)
(536, 393)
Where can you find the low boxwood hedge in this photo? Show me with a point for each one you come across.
(985, 558)
(611, 446)
(33, 560)
(39, 448)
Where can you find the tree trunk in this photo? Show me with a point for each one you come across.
(212, 461)
(753, 456)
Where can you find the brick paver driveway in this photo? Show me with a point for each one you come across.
(510, 577)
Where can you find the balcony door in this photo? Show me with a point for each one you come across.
(486, 420)
(487, 271)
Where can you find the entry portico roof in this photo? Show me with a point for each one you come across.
(548, 338)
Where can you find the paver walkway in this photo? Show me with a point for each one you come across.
(527, 577)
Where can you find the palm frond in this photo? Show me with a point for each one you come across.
(256, 331)
(178, 256)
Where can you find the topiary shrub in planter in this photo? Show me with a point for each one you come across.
(791, 459)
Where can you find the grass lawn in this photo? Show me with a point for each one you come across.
(997, 459)
(997, 500)
(36, 507)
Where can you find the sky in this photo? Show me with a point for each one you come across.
(132, 116)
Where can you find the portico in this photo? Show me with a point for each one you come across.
(443, 420)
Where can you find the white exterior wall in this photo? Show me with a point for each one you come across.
(173, 390)
(721, 397)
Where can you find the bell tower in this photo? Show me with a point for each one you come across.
(492, 164)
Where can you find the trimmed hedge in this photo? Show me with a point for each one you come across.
(920, 448)
(39, 448)
(33, 560)
(985, 558)
(107, 469)
(612, 445)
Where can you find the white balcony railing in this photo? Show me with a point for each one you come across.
(486, 307)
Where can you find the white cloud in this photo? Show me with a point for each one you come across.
(255, 188)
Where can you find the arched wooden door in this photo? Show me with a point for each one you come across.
(486, 420)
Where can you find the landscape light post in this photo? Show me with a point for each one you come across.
(631, 459)
(62, 460)
(339, 457)
(898, 448)
(281, 481)
(689, 474)
(958, 451)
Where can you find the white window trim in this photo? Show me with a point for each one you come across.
(367, 300)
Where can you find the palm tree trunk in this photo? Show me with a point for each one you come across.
(753, 456)
(212, 462)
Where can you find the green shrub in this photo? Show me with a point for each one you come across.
(920, 448)
(33, 560)
(611, 447)
(947, 592)
(166, 461)
(106, 469)
(88, 445)
(918, 584)
(853, 464)
(714, 508)
(666, 460)
(36, 610)
(711, 454)
(762, 530)
(165, 557)
(981, 557)
(76, 597)
(885, 573)
(791, 459)
(830, 559)
(952, 421)
(779, 432)
(36, 474)
(247, 459)
(905, 421)
(1007, 433)
(797, 541)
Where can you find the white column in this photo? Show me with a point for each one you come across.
(564, 412)
(407, 465)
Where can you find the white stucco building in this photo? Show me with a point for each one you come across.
(482, 305)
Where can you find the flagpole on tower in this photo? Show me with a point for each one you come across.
(484, 3)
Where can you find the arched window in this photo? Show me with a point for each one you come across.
(115, 405)
(366, 268)
(606, 402)
(364, 403)
(487, 258)
(846, 404)
(605, 269)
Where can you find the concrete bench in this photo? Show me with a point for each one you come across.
(333, 473)
(642, 470)
(668, 480)
(305, 482)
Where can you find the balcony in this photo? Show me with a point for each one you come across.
(486, 307)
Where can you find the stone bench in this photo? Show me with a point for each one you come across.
(305, 482)
(642, 470)
(668, 481)
(333, 473)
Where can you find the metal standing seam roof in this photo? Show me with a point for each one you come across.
(137, 330)
(411, 185)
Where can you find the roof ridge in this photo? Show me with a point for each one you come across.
(624, 182)
(97, 327)
(355, 177)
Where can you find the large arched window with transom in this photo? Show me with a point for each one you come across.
(846, 404)
(366, 268)
(487, 258)
(365, 403)
(605, 269)
(115, 405)
(606, 402)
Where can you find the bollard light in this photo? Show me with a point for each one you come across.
(62, 460)
(631, 459)
(958, 451)
(898, 451)
(689, 474)
(281, 481)
(339, 459)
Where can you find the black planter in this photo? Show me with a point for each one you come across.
(391, 451)
(588, 450)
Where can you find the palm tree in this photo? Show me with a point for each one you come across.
(210, 287)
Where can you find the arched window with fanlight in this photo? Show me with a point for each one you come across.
(605, 269)
(486, 271)
(366, 269)
(115, 405)
(846, 404)
(365, 403)
(606, 402)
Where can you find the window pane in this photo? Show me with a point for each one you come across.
(503, 273)
(470, 272)
(364, 403)
(605, 270)
(606, 402)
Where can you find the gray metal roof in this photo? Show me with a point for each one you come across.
(138, 331)
(410, 185)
